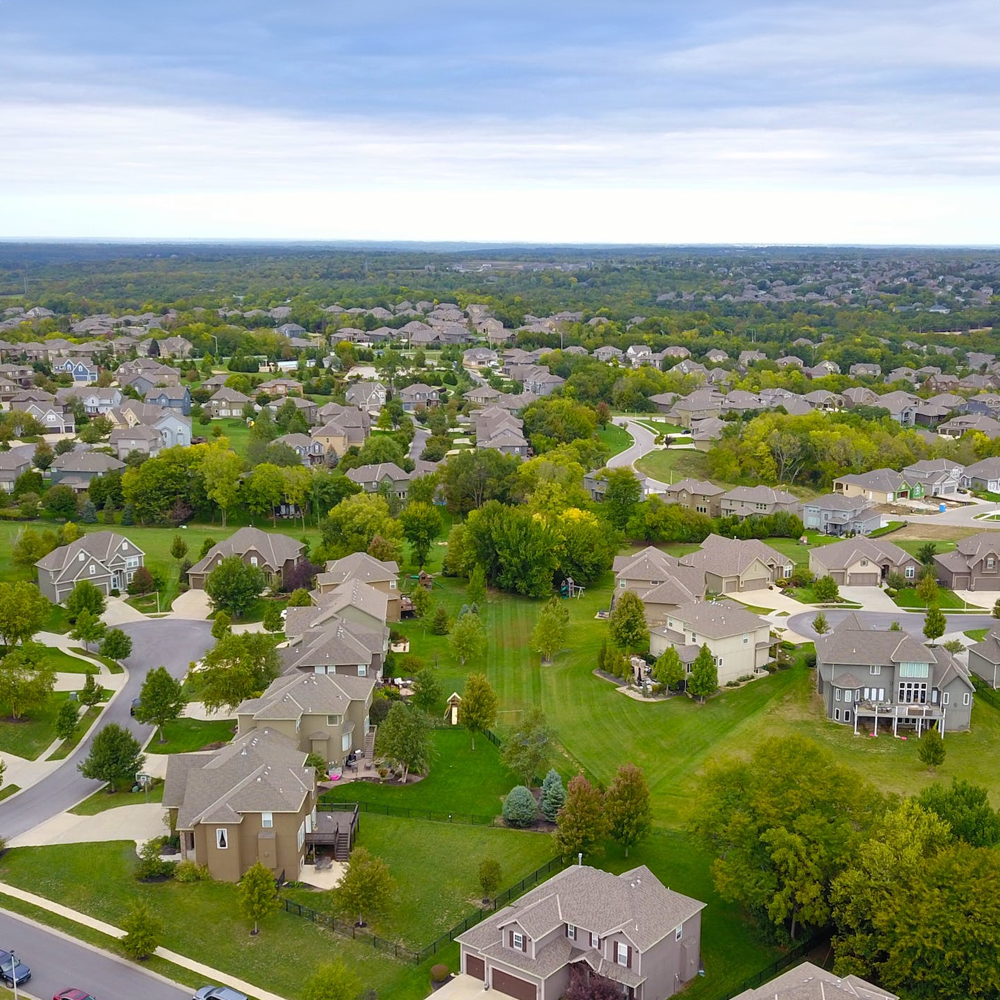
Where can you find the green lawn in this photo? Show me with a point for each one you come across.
(112, 665)
(188, 735)
(63, 663)
(946, 599)
(675, 463)
(795, 550)
(102, 801)
(460, 780)
(977, 634)
(8, 790)
(662, 426)
(34, 733)
(82, 727)
(616, 438)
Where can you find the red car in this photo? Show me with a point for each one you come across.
(73, 995)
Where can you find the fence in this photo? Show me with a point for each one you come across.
(380, 809)
(765, 975)
(985, 692)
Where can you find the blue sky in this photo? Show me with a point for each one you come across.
(626, 121)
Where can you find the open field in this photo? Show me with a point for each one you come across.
(672, 464)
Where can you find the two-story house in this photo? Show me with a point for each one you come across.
(104, 558)
(343, 638)
(171, 397)
(226, 403)
(367, 396)
(888, 679)
(385, 476)
(810, 982)
(81, 370)
(974, 563)
(938, 477)
(751, 501)
(734, 565)
(628, 928)
(77, 468)
(383, 576)
(838, 514)
(309, 450)
(696, 494)
(660, 581)
(418, 394)
(879, 486)
(983, 475)
(276, 554)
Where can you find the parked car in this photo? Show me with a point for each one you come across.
(73, 995)
(219, 993)
(134, 706)
(11, 971)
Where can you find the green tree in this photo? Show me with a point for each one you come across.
(931, 749)
(116, 645)
(367, 887)
(60, 501)
(233, 586)
(88, 629)
(490, 876)
(273, 622)
(820, 624)
(421, 599)
(23, 612)
(476, 590)
(332, 981)
(421, 526)
(25, 684)
(553, 796)
(258, 894)
(178, 548)
(263, 489)
(549, 633)
(928, 590)
(160, 700)
(115, 757)
(238, 667)
(427, 693)
(354, 523)
(926, 553)
(85, 597)
(44, 456)
(582, 823)
(966, 809)
(627, 623)
(519, 807)
(621, 496)
(996, 608)
(222, 625)
(31, 546)
(478, 709)
(826, 589)
(704, 679)
(404, 738)
(467, 640)
(668, 669)
(66, 720)
(440, 625)
(935, 623)
(626, 803)
(90, 693)
(143, 931)
(88, 512)
(527, 748)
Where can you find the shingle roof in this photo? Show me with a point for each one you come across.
(728, 556)
(862, 647)
(810, 982)
(759, 494)
(842, 554)
(276, 548)
(717, 619)
(86, 461)
(296, 694)
(361, 566)
(101, 545)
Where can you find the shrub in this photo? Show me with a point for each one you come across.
(440, 625)
(439, 973)
(191, 871)
(150, 864)
(142, 582)
(519, 808)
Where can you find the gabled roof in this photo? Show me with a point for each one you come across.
(361, 566)
(839, 501)
(276, 548)
(864, 647)
(810, 982)
(717, 619)
(319, 637)
(728, 556)
(880, 480)
(87, 461)
(842, 554)
(293, 695)
(100, 545)
(376, 473)
(760, 494)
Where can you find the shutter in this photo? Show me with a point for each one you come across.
(628, 958)
(511, 938)
(524, 942)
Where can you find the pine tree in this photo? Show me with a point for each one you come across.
(88, 513)
(602, 657)
(582, 822)
(931, 749)
(440, 623)
(142, 931)
(627, 623)
(626, 804)
(820, 624)
(704, 679)
(258, 894)
(553, 796)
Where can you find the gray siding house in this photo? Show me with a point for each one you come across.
(984, 659)
(77, 468)
(973, 565)
(837, 514)
(108, 560)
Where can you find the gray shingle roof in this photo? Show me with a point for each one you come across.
(101, 545)
(717, 619)
(273, 546)
(810, 982)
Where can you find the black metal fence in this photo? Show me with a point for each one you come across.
(382, 809)
(984, 691)
(789, 958)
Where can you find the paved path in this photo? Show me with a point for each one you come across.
(193, 604)
(118, 613)
(419, 442)
(172, 643)
(908, 621)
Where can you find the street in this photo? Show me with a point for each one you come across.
(643, 442)
(57, 964)
(908, 622)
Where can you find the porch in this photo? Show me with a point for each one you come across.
(917, 717)
(335, 827)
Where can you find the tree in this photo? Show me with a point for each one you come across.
(895, 627)
(258, 894)
(355, 521)
(222, 625)
(440, 624)
(88, 629)
(421, 525)
(160, 700)
(404, 738)
(626, 803)
(421, 599)
(178, 548)
(143, 931)
(820, 624)
(996, 608)
(622, 495)
(142, 582)
(272, 621)
(263, 489)
(90, 693)
(627, 623)
(935, 623)
(553, 796)
(66, 720)
(926, 553)
(234, 586)
(704, 679)
(468, 638)
(25, 684)
(931, 749)
(23, 612)
(476, 590)
(966, 809)
(490, 876)
(928, 590)
(427, 691)
(367, 887)
(478, 709)
(221, 470)
(669, 669)
(526, 750)
(116, 645)
(85, 597)
(581, 824)
(549, 634)
(88, 512)
(332, 981)
(826, 589)
(115, 757)
(44, 455)
(519, 807)
(238, 667)
(60, 501)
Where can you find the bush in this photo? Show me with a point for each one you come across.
(440, 625)
(519, 808)
(439, 973)
(150, 865)
(191, 871)
(142, 582)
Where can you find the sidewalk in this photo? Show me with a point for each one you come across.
(205, 971)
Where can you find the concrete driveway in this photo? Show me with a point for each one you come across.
(194, 604)
(119, 613)
(139, 822)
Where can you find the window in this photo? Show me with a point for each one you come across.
(345, 742)
(362, 669)
(621, 583)
(132, 562)
(701, 510)
(267, 820)
(909, 572)
(874, 670)
(595, 941)
(838, 694)
(392, 584)
(847, 716)
(621, 953)
(517, 940)
(848, 696)
(912, 693)
(571, 932)
(746, 638)
(253, 560)
(301, 838)
(718, 661)
(966, 699)
(836, 714)
(334, 720)
(679, 932)
(914, 669)
(221, 839)
(945, 698)
(864, 562)
(80, 556)
(93, 569)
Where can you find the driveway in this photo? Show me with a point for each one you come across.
(168, 642)
(118, 613)
(193, 604)
(908, 621)
(138, 822)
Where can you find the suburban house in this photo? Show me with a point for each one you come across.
(252, 800)
(501, 431)
(105, 559)
(757, 501)
(95, 399)
(383, 576)
(325, 714)
(77, 468)
(628, 928)
(596, 483)
(82, 371)
(368, 396)
(862, 562)
(276, 554)
(385, 476)
(697, 495)
(607, 353)
(964, 423)
(14, 463)
(839, 514)
(733, 565)
(226, 403)
(418, 394)
(810, 982)
(859, 395)
(309, 450)
(140, 438)
(174, 427)
(984, 659)
(52, 416)
(879, 676)
(327, 641)
(170, 397)
(937, 476)
(739, 640)
(280, 387)
(352, 424)
(974, 563)
(984, 475)
(306, 407)
(879, 486)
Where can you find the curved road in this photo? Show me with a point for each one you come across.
(908, 621)
(643, 442)
(170, 642)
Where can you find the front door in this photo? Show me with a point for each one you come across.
(116, 581)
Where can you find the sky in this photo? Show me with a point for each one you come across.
(622, 121)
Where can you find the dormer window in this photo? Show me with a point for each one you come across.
(517, 941)
(621, 953)
(571, 931)
(990, 562)
(679, 932)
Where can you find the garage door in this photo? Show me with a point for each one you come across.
(760, 584)
(475, 967)
(864, 579)
(731, 585)
(504, 982)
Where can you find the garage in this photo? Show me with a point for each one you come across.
(475, 967)
(865, 579)
(759, 584)
(520, 989)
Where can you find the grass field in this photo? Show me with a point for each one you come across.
(103, 800)
(616, 438)
(188, 735)
(112, 665)
(33, 733)
(675, 463)
(946, 599)
(977, 634)
(63, 663)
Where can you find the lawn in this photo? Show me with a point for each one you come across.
(8, 790)
(977, 634)
(946, 599)
(673, 464)
(188, 735)
(63, 663)
(616, 438)
(662, 426)
(806, 595)
(112, 665)
(461, 779)
(793, 549)
(102, 801)
(82, 727)
(33, 733)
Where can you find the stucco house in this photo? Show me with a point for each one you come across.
(383, 576)
(862, 562)
(368, 396)
(274, 553)
(696, 494)
(140, 438)
(810, 982)
(14, 463)
(733, 565)
(628, 928)
(879, 486)
(838, 514)
(104, 558)
(661, 581)
(974, 563)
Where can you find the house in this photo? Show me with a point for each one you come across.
(902, 406)
(884, 677)
(325, 714)
(95, 400)
(664, 401)
(14, 463)
(170, 397)
(984, 402)
(839, 514)
(810, 982)
(859, 395)
(938, 476)
(865, 368)
(104, 558)
(226, 403)
(696, 494)
(252, 800)
(290, 330)
(879, 486)
(52, 416)
(480, 357)
(639, 354)
(660, 581)
(309, 450)
(974, 564)
(383, 576)
(280, 387)
(698, 405)
(739, 640)
(384, 477)
(354, 423)
(788, 361)
(733, 565)
(306, 407)
(607, 353)
(596, 483)
(628, 928)
(175, 347)
(276, 554)
(704, 432)
(751, 501)
(964, 423)
(984, 659)
(81, 370)
(540, 381)
(77, 468)
(173, 426)
(418, 394)
(984, 475)
(367, 396)
(715, 355)
(862, 562)
(346, 635)
(502, 431)
(823, 399)
(140, 438)
(750, 357)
